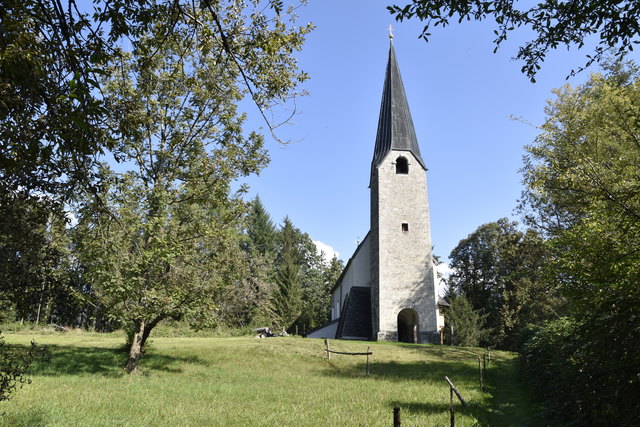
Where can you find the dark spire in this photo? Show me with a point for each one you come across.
(395, 127)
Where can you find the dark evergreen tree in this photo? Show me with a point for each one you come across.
(33, 254)
(261, 233)
(287, 295)
(248, 301)
(464, 326)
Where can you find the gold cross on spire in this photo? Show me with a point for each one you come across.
(390, 32)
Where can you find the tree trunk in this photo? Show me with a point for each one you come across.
(135, 352)
(147, 330)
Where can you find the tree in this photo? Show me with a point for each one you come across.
(466, 324)
(499, 269)
(54, 54)
(583, 191)
(14, 366)
(287, 297)
(553, 24)
(160, 239)
(261, 233)
(248, 301)
(34, 254)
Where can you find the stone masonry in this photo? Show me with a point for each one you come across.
(403, 268)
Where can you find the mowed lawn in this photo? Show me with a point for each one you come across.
(261, 382)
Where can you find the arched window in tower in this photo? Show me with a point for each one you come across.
(402, 165)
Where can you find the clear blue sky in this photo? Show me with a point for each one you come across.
(460, 95)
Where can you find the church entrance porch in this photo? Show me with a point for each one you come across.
(408, 326)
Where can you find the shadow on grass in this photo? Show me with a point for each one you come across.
(428, 408)
(402, 371)
(511, 401)
(109, 362)
(506, 400)
(34, 417)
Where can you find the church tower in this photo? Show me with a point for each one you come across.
(387, 290)
(403, 286)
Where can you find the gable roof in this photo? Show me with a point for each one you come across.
(395, 126)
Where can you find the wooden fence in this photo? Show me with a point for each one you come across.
(329, 352)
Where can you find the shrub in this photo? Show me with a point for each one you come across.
(14, 365)
(581, 380)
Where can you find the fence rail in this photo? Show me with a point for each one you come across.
(329, 352)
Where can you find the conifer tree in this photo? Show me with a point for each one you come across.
(261, 233)
(468, 324)
(287, 298)
(248, 300)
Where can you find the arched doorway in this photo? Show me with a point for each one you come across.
(408, 326)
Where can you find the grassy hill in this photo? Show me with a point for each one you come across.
(261, 382)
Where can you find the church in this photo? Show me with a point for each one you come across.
(387, 290)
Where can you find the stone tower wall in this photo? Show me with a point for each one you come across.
(374, 235)
(403, 274)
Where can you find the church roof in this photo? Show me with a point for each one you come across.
(395, 126)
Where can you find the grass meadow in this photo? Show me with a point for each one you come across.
(242, 381)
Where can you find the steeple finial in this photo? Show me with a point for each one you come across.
(390, 32)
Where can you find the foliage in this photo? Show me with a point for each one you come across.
(584, 381)
(14, 366)
(248, 300)
(275, 261)
(287, 297)
(54, 116)
(500, 270)
(52, 127)
(468, 324)
(316, 291)
(583, 192)
(303, 281)
(260, 231)
(34, 254)
(162, 238)
(279, 373)
(552, 23)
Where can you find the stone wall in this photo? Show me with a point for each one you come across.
(402, 265)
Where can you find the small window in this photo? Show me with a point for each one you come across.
(402, 165)
(405, 226)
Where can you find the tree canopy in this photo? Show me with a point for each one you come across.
(159, 237)
(553, 24)
(53, 56)
(500, 271)
(583, 192)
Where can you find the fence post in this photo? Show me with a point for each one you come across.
(326, 343)
(368, 360)
(453, 387)
(452, 415)
(481, 372)
(396, 416)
